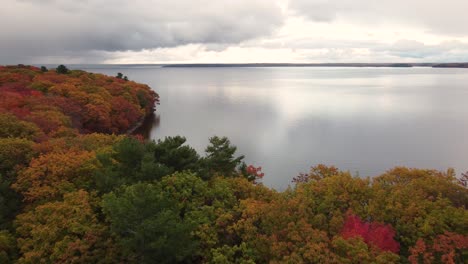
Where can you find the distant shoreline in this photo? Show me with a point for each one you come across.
(267, 65)
(354, 65)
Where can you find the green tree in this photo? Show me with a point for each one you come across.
(119, 75)
(11, 126)
(174, 154)
(129, 161)
(9, 203)
(150, 227)
(14, 154)
(132, 160)
(7, 247)
(44, 69)
(62, 69)
(355, 250)
(220, 158)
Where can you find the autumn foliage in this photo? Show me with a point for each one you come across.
(374, 234)
(254, 173)
(448, 248)
(77, 100)
(74, 188)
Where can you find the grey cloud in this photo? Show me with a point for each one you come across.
(316, 10)
(93, 31)
(448, 51)
(342, 50)
(437, 16)
(311, 43)
(67, 27)
(413, 49)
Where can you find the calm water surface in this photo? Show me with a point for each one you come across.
(364, 120)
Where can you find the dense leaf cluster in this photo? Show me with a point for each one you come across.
(68, 195)
(64, 102)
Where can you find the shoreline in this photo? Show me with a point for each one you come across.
(350, 65)
(273, 65)
(138, 125)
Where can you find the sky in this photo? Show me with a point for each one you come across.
(232, 31)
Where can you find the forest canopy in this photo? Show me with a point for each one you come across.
(75, 187)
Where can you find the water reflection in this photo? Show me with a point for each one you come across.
(149, 124)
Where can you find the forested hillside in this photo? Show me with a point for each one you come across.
(75, 188)
(58, 102)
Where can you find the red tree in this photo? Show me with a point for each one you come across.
(254, 173)
(446, 248)
(377, 234)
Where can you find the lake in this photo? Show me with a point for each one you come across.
(286, 119)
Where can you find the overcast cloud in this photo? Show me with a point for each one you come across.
(436, 16)
(171, 31)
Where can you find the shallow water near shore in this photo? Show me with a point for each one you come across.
(365, 120)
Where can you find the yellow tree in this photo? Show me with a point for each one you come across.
(65, 231)
(50, 176)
